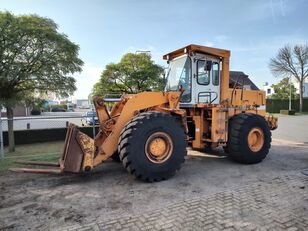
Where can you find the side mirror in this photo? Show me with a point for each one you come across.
(208, 65)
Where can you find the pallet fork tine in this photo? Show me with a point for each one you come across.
(38, 163)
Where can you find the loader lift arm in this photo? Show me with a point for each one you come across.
(123, 112)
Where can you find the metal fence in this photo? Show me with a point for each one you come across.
(46, 121)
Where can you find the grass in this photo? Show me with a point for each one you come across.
(48, 152)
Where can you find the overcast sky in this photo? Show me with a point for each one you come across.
(105, 30)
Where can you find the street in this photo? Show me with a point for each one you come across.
(292, 128)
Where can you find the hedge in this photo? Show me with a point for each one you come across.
(43, 135)
(275, 105)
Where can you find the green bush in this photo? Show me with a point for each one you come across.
(64, 106)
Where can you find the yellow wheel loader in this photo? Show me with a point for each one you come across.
(149, 131)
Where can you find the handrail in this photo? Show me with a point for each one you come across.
(234, 89)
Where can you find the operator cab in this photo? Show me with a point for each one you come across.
(198, 73)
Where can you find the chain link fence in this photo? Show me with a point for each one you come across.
(48, 120)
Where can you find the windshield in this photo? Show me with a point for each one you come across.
(179, 73)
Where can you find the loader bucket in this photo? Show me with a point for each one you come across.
(77, 155)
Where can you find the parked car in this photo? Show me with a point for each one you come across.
(36, 112)
(88, 118)
(58, 109)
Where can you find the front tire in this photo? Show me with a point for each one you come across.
(152, 146)
(249, 138)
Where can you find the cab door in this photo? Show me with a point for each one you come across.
(207, 76)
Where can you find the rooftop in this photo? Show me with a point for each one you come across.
(242, 79)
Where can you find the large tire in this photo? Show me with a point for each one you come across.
(225, 148)
(152, 146)
(249, 138)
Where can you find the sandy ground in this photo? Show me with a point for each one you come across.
(40, 202)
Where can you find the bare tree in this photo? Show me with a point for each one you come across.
(292, 62)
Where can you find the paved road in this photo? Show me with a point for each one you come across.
(292, 128)
(277, 205)
(210, 192)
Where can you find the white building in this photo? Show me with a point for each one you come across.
(268, 89)
(82, 103)
(305, 86)
(305, 90)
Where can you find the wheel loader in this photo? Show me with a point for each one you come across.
(150, 131)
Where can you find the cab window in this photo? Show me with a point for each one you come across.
(203, 76)
(215, 74)
(179, 74)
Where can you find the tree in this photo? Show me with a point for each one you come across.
(282, 90)
(292, 62)
(34, 58)
(134, 73)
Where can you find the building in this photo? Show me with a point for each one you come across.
(305, 86)
(82, 103)
(240, 79)
(305, 94)
(19, 110)
(268, 89)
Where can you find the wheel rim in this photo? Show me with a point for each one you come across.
(158, 147)
(255, 139)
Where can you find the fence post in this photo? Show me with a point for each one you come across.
(1, 138)
(93, 123)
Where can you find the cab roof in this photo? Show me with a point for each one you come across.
(198, 49)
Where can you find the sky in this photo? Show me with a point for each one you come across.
(105, 30)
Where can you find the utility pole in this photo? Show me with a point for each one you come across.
(290, 96)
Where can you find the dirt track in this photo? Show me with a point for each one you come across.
(43, 202)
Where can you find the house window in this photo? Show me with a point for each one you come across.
(268, 91)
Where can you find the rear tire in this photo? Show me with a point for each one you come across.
(249, 138)
(152, 146)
